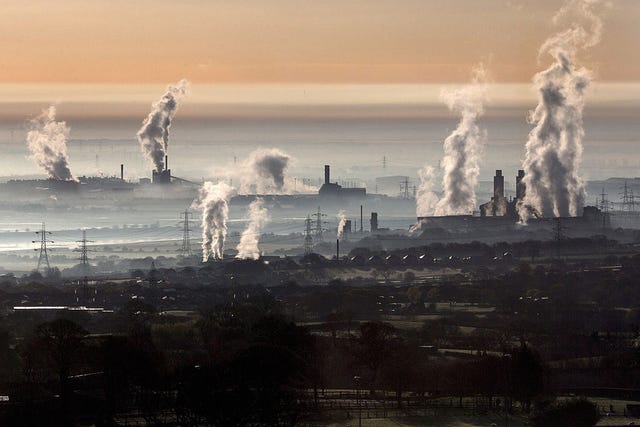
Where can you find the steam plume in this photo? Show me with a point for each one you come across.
(264, 170)
(213, 202)
(47, 141)
(426, 199)
(341, 223)
(553, 183)
(154, 133)
(258, 216)
(460, 164)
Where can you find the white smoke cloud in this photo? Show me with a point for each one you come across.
(153, 136)
(47, 141)
(213, 202)
(426, 198)
(258, 217)
(266, 168)
(341, 223)
(553, 155)
(462, 149)
(264, 171)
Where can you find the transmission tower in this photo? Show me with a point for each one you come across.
(44, 255)
(319, 223)
(557, 230)
(84, 262)
(626, 198)
(404, 187)
(604, 208)
(185, 249)
(84, 251)
(308, 240)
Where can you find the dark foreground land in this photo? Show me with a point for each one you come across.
(547, 338)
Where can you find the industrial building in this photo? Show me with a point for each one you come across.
(332, 190)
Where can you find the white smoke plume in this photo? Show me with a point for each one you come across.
(47, 141)
(258, 217)
(264, 171)
(270, 164)
(153, 136)
(552, 179)
(213, 202)
(341, 224)
(426, 198)
(462, 149)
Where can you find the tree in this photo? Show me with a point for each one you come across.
(374, 346)
(526, 376)
(572, 413)
(61, 341)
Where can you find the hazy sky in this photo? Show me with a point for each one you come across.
(294, 41)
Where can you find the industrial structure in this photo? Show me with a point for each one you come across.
(332, 190)
(164, 176)
(499, 205)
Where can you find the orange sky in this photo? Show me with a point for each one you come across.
(294, 41)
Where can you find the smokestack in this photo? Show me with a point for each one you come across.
(337, 248)
(361, 220)
(520, 188)
(327, 174)
(121, 171)
(166, 163)
(374, 221)
(498, 185)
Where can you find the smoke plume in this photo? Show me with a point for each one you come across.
(462, 149)
(552, 180)
(153, 136)
(341, 224)
(213, 202)
(258, 216)
(47, 141)
(264, 170)
(426, 198)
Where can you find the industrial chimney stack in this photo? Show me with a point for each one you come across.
(327, 174)
(520, 187)
(498, 185)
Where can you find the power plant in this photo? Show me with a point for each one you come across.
(162, 176)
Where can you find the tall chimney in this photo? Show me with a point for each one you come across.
(498, 185)
(374, 221)
(166, 163)
(337, 248)
(520, 187)
(327, 174)
(122, 171)
(361, 220)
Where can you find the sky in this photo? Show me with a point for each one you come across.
(292, 52)
(292, 41)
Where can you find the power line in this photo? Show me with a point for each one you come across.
(44, 255)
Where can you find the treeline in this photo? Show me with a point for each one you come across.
(243, 363)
